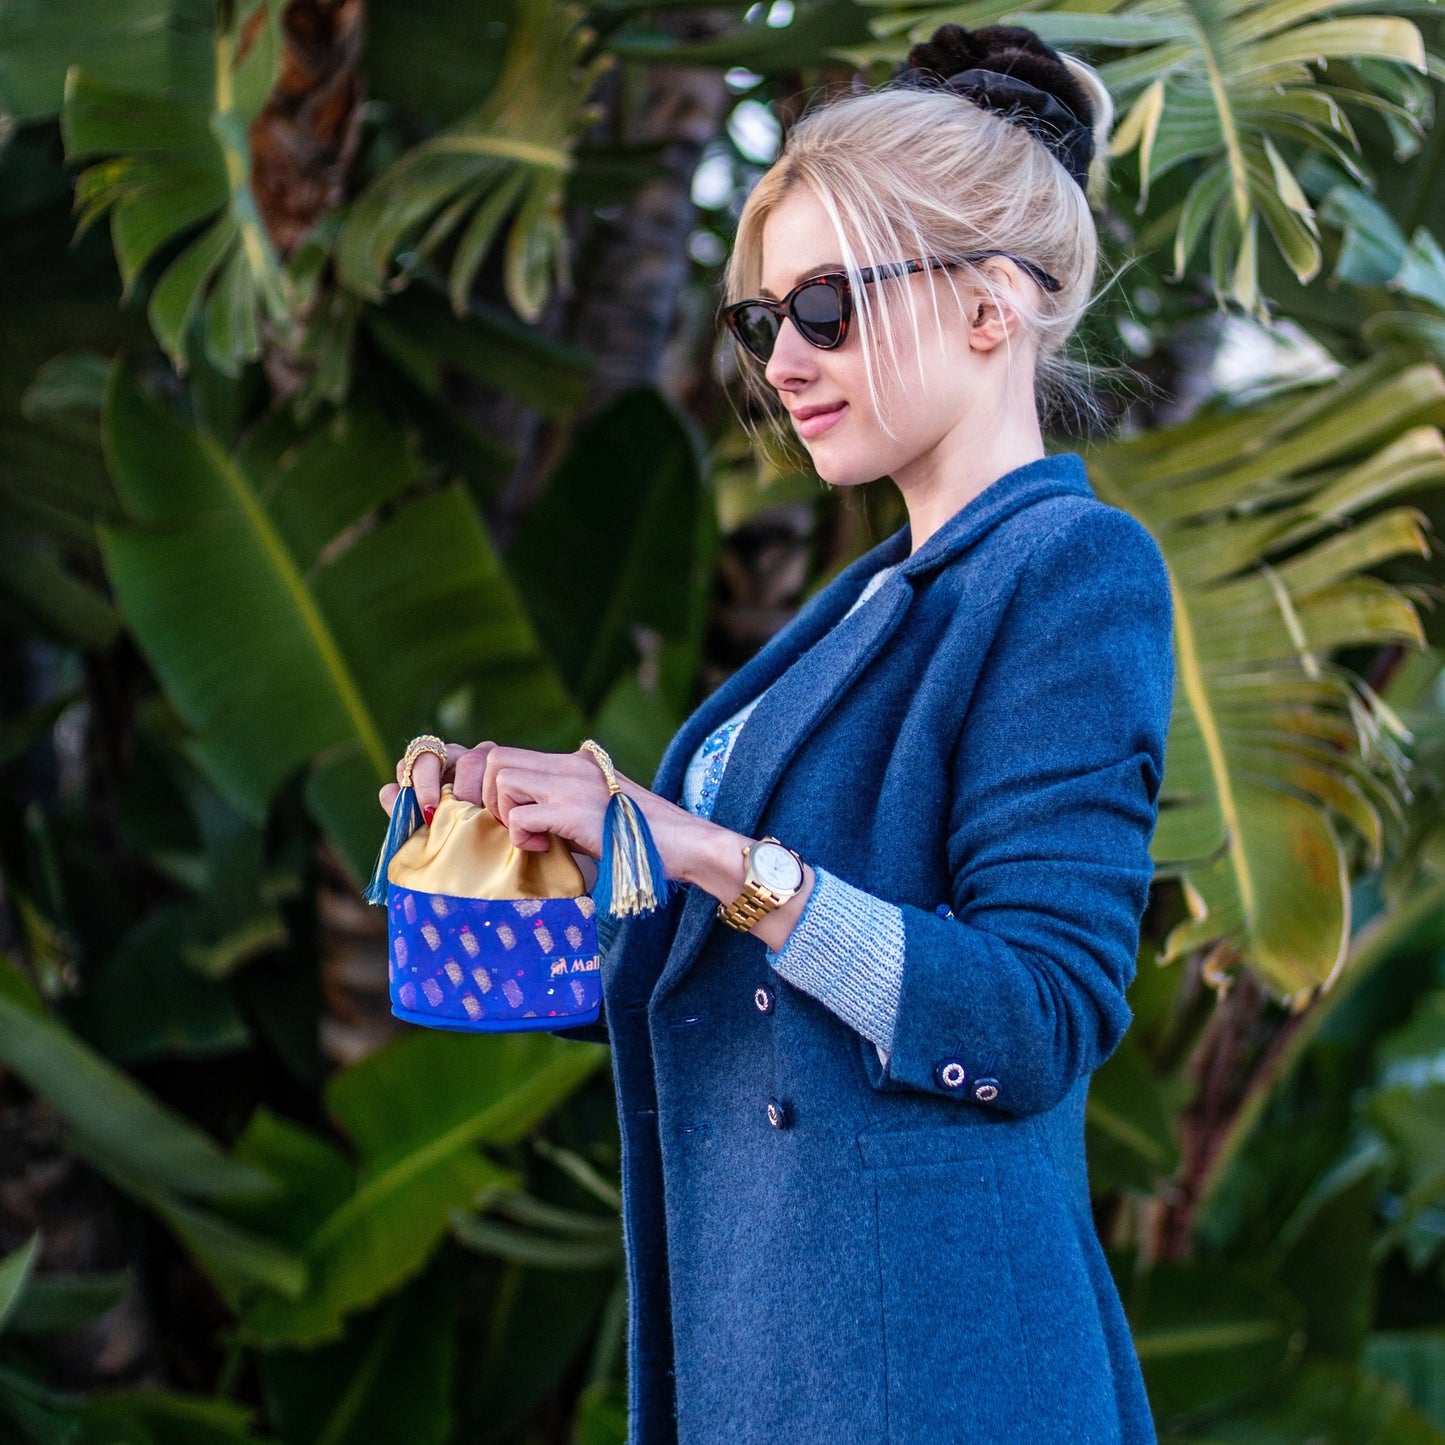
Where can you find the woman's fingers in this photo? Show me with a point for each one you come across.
(508, 785)
(427, 777)
(536, 800)
(530, 783)
(535, 838)
(470, 766)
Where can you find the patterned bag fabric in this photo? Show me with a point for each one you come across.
(485, 936)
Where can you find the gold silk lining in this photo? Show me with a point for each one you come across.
(468, 853)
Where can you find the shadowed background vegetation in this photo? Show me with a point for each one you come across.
(360, 375)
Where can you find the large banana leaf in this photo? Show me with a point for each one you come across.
(161, 1417)
(1285, 1135)
(1272, 743)
(1326, 1401)
(289, 631)
(52, 486)
(415, 1112)
(174, 162)
(293, 1235)
(1374, 252)
(1130, 1123)
(1414, 1360)
(15, 1273)
(148, 1001)
(151, 46)
(512, 155)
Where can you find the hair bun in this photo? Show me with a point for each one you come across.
(1009, 49)
(1008, 69)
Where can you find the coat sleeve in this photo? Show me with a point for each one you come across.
(1054, 798)
(1019, 991)
(596, 1032)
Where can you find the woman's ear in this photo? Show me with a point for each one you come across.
(990, 317)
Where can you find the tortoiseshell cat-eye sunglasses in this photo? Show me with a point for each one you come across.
(822, 306)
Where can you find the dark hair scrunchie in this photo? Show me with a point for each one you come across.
(1008, 69)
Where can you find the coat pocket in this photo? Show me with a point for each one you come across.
(955, 1363)
(926, 1144)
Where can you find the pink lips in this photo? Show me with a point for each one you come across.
(819, 422)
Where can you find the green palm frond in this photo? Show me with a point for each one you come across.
(509, 158)
(1227, 86)
(172, 164)
(1272, 742)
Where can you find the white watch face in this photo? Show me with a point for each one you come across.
(776, 867)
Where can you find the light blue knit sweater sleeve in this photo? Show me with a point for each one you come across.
(846, 948)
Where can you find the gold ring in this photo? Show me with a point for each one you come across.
(423, 743)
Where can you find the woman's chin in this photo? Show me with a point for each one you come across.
(837, 472)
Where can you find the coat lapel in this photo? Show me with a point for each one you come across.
(817, 617)
(792, 707)
(809, 665)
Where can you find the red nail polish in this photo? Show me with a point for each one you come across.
(427, 814)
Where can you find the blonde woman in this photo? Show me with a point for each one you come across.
(851, 1051)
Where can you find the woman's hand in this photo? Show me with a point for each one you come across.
(533, 793)
(536, 793)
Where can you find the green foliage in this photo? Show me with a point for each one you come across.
(511, 155)
(254, 507)
(1254, 512)
(287, 635)
(415, 1112)
(112, 1117)
(178, 159)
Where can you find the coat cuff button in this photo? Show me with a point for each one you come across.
(944, 911)
(985, 1089)
(777, 1114)
(763, 997)
(951, 1074)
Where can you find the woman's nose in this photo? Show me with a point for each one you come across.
(792, 357)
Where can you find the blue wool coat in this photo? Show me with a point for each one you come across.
(905, 1253)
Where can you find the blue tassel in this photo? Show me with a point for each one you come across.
(631, 878)
(406, 818)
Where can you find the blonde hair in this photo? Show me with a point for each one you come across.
(909, 172)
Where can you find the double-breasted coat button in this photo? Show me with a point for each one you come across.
(985, 1089)
(951, 1074)
(778, 1114)
(763, 997)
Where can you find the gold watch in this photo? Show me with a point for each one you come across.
(774, 875)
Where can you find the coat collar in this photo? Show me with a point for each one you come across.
(820, 660)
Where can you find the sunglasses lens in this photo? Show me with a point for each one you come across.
(818, 311)
(757, 328)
